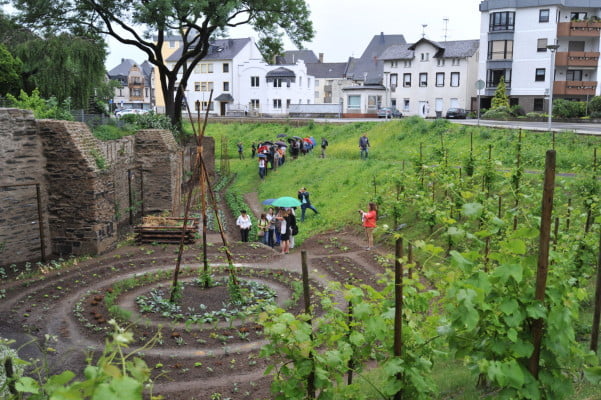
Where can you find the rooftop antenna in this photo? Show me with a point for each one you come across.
(446, 25)
(424, 30)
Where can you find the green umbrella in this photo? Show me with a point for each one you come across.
(286, 202)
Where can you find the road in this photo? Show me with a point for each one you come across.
(581, 128)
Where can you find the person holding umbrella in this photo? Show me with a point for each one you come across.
(303, 196)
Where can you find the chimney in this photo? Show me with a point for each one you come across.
(321, 57)
(382, 36)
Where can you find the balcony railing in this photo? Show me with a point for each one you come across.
(575, 88)
(579, 28)
(577, 59)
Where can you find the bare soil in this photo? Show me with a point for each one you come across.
(192, 362)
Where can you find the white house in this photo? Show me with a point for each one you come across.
(135, 85)
(426, 78)
(536, 45)
(270, 89)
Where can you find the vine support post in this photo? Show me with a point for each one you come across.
(351, 362)
(307, 303)
(203, 205)
(500, 209)
(543, 257)
(398, 309)
(597, 306)
(410, 259)
(569, 214)
(375, 187)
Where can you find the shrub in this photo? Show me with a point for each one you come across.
(594, 105)
(42, 108)
(518, 111)
(502, 113)
(111, 132)
(568, 109)
(535, 115)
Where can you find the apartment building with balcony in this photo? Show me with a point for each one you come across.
(536, 45)
(135, 88)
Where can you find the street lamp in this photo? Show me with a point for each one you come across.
(386, 93)
(552, 48)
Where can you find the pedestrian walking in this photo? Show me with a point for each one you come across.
(253, 150)
(244, 224)
(262, 167)
(240, 150)
(303, 196)
(324, 145)
(364, 146)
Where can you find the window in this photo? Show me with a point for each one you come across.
(502, 21)
(206, 104)
(277, 104)
(440, 62)
(172, 44)
(578, 16)
(254, 81)
(394, 64)
(405, 104)
(394, 81)
(574, 45)
(308, 82)
(543, 15)
(206, 68)
(454, 79)
(254, 104)
(574, 75)
(423, 79)
(407, 64)
(145, 92)
(120, 92)
(226, 86)
(288, 101)
(439, 79)
(277, 82)
(538, 105)
(373, 102)
(541, 45)
(197, 86)
(456, 62)
(206, 86)
(500, 49)
(300, 81)
(226, 67)
(425, 56)
(406, 80)
(493, 76)
(354, 102)
(136, 93)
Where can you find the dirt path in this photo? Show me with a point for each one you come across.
(228, 353)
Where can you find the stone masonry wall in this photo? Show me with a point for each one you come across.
(90, 190)
(21, 163)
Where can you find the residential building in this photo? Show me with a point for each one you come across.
(218, 71)
(365, 93)
(539, 45)
(135, 89)
(267, 89)
(171, 44)
(330, 79)
(426, 78)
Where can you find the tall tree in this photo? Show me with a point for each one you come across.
(500, 98)
(148, 24)
(64, 66)
(10, 72)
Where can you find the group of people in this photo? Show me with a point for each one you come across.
(273, 228)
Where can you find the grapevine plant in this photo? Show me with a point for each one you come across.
(342, 340)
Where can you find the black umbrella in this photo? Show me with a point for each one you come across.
(267, 142)
(297, 137)
(280, 143)
(282, 135)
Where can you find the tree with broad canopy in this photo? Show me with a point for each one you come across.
(147, 24)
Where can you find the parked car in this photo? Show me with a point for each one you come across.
(125, 111)
(389, 112)
(456, 113)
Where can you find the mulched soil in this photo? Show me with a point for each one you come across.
(192, 362)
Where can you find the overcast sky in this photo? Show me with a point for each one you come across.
(345, 27)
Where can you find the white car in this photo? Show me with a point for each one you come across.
(125, 111)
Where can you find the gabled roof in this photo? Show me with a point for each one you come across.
(219, 49)
(292, 56)
(280, 72)
(327, 70)
(122, 70)
(369, 67)
(449, 49)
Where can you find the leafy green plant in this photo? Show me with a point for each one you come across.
(42, 108)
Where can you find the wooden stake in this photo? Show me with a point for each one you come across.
(398, 310)
(597, 305)
(307, 301)
(543, 257)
